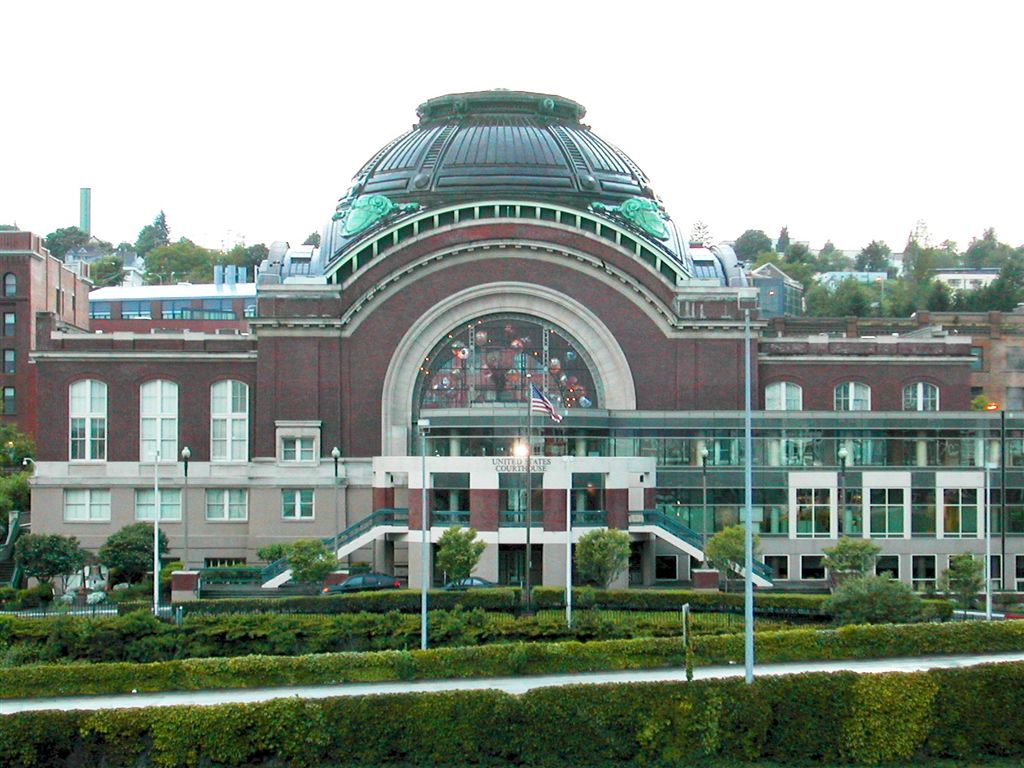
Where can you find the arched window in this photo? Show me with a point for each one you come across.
(158, 420)
(87, 426)
(783, 396)
(10, 284)
(920, 396)
(853, 396)
(229, 421)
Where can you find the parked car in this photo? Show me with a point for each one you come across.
(472, 582)
(363, 582)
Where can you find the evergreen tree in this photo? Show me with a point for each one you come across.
(752, 243)
(65, 239)
(153, 235)
(874, 257)
(782, 245)
(313, 239)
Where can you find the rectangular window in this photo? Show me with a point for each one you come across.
(229, 504)
(88, 504)
(779, 565)
(888, 565)
(922, 512)
(1014, 398)
(297, 503)
(218, 309)
(978, 363)
(158, 424)
(886, 510)
(995, 571)
(666, 567)
(177, 309)
(9, 320)
(811, 567)
(170, 503)
(10, 361)
(922, 569)
(587, 492)
(10, 402)
(136, 310)
(512, 497)
(297, 449)
(88, 420)
(959, 512)
(1019, 573)
(813, 512)
(223, 562)
(99, 310)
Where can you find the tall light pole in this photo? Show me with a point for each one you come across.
(993, 406)
(424, 425)
(748, 532)
(988, 544)
(703, 453)
(842, 454)
(568, 539)
(529, 488)
(336, 454)
(156, 533)
(186, 454)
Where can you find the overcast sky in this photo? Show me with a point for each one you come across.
(246, 121)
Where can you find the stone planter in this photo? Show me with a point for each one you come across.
(706, 579)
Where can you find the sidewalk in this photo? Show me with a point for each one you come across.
(513, 685)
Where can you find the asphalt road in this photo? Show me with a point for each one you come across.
(514, 685)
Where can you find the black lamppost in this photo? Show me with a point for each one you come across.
(703, 453)
(336, 454)
(993, 406)
(186, 454)
(842, 454)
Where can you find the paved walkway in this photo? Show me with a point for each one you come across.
(514, 685)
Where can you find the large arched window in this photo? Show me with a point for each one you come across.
(488, 361)
(158, 420)
(229, 421)
(853, 396)
(783, 396)
(10, 284)
(920, 396)
(87, 422)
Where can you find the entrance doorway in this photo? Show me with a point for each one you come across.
(512, 565)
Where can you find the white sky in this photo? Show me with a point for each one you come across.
(247, 120)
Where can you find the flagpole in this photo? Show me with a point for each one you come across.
(529, 484)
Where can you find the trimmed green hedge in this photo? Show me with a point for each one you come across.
(509, 658)
(673, 599)
(401, 600)
(962, 714)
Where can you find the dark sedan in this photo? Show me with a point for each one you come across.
(363, 582)
(473, 582)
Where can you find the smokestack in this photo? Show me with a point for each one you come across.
(85, 210)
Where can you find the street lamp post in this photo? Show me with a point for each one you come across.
(703, 453)
(156, 533)
(186, 454)
(993, 406)
(988, 544)
(568, 540)
(336, 454)
(842, 454)
(424, 425)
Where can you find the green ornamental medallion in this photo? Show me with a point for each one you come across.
(367, 210)
(641, 213)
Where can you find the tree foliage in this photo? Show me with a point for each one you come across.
(272, 552)
(459, 551)
(874, 257)
(751, 243)
(964, 579)
(782, 244)
(248, 256)
(313, 239)
(874, 600)
(851, 555)
(45, 556)
(310, 561)
(183, 261)
(726, 550)
(601, 555)
(106, 271)
(153, 235)
(130, 551)
(65, 239)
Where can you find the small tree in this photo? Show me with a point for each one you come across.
(459, 552)
(45, 556)
(964, 579)
(726, 550)
(273, 552)
(851, 556)
(874, 600)
(310, 561)
(601, 555)
(130, 551)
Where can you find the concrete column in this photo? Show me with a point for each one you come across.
(554, 564)
(647, 559)
(488, 566)
(921, 458)
(415, 564)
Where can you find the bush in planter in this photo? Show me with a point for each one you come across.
(874, 600)
(726, 550)
(964, 579)
(851, 556)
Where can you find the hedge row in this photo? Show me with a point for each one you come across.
(401, 600)
(517, 658)
(962, 714)
(673, 599)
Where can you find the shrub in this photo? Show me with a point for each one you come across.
(874, 600)
(310, 561)
(964, 579)
(850, 555)
(458, 552)
(726, 550)
(401, 600)
(601, 555)
(130, 550)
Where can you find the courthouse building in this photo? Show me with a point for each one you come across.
(501, 243)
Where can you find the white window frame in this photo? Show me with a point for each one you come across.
(285, 430)
(913, 576)
(293, 511)
(824, 577)
(1018, 562)
(917, 395)
(899, 563)
(170, 504)
(776, 577)
(941, 507)
(846, 395)
(90, 417)
(232, 445)
(224, 504)
(299, 446)
(890, 508)
(96, 503)
(830, 505)
(161, 423)
(777, 396)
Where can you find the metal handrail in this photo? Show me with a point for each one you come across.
(591, 518)
(674, 527)
(453, 517)
(7, 551)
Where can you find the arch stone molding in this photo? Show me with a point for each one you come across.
(609, 361)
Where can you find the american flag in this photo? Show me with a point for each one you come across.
(540, 404)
